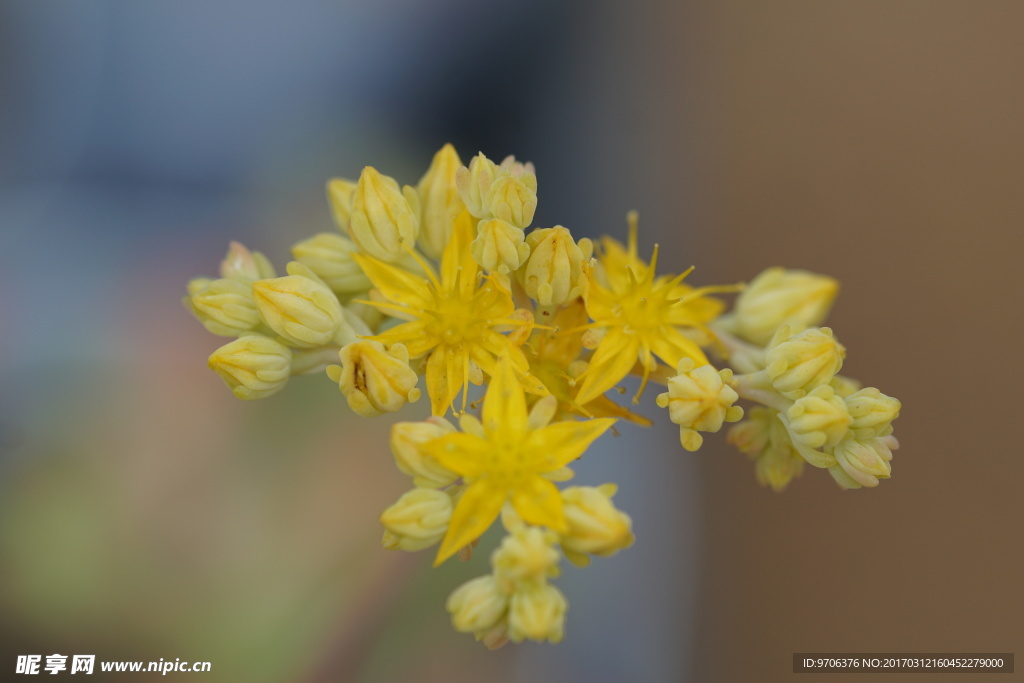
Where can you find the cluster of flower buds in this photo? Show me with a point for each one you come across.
(446, 280)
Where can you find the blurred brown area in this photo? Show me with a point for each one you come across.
(881, 143)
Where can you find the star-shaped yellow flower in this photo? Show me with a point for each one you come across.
(456, 319)
(510, 456)
(641, 316)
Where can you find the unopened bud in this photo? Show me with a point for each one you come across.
(330, 256)
(778, 297)
(339, 198)
(440, 201)
(872, 413)
(384, 221)
(299, 307)
(477, 605)
(407, 440)
(819, 419)
(555, 273)
(537, 612)
(247, 266)
(253, 366)
(596, 526)
(499, 246)
(418, 520)
(225, 307)
(526, 554)
(798, 363)
(862, 462)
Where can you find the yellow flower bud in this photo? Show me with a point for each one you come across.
(375, 380)
(800, 362)
(474, 185)
(339, 198)
(555, 273)
(596, 526)
(527, 554)
(440, 201)
(861, 462)
(844, 386)
(512, 200)
(418, 520)
(384, 221)
(299, 308)
(247, 266)
(407, 440)
(778, 297)
(819, 419)
(224, 307)
(477, 605)
(764, 438)
(872, 412)
(699, 400)
(253, 366)
(537, 612)
(330, 257)
(499, 246)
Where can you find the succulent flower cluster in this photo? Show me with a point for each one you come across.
(443, 281)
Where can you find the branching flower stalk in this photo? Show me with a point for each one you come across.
(443, 281)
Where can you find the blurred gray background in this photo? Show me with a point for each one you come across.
(145, 513)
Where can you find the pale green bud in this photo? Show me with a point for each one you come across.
(247, 266)
(375, 380)
(384, 221)
(863, 462)
(224, 307)
(819, 419)
(537, 612)
(407, 440)
(596, 526)
(699, 400)
(339, 198)
(556, 272)
(872, 412)
(299, 307)
(499, 246)
(418, 520)
(526, 554)
(477, 605)
(330, 257)
(253, 366)
(440, 201)
(778, 297)
(800, 362)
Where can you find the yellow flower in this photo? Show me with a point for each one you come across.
(299, 307)
(339, 198)
(329, 256)
(797, 363)
(554, 352)
(508, 457)
(819, 419)
(526, 555)
(640, 316)
(407, 439)
(537, 612)
(499, 246)
(225, 307)
(454, 319)
(418, 520)
(477, 605)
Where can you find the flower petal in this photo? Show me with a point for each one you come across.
(505, 403)
(397, 284)
(672, 346)
(464, 454)
(474, 513)
(559, 444)
(614, 358)
(539, 502)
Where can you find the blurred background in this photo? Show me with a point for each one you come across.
(145, 513)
